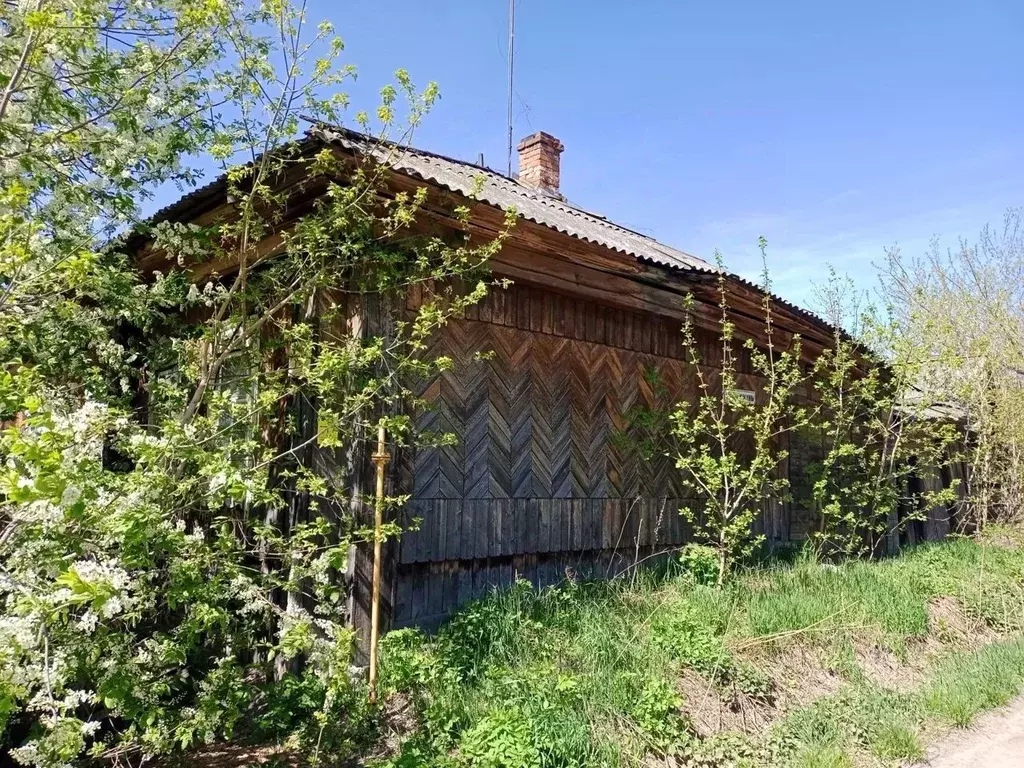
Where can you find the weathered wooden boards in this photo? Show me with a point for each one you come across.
(541, 392)
(467, 529)
(429, 592)
(539, 418)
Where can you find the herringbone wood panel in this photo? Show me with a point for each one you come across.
(539, 388)
(473, 375)
(535, 481)
(537, 418)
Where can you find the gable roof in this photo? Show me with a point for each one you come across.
(493, 188)
(462, 177)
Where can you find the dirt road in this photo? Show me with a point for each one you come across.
(996, 740)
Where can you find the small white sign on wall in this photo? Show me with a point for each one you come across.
(745, 394)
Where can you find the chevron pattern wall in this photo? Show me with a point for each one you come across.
(537, 482)
(535, 418)
(540, 386)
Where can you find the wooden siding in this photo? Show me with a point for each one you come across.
(539, 385)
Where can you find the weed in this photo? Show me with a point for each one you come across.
(842, 660)
(699, 563)
(405, 664)
(752, 682)
(658, 714)
(691, 642)
(723, 749)
(860, 717)
(814, 728)
(855, 595)
(501, 739)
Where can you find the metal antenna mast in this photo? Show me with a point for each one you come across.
(511, 61)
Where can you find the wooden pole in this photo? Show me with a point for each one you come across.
(380, 458)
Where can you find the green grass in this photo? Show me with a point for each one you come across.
(587, 674)
(825, 757)
(896, 741)
(864, 718)
(963, 686)
(860, 718)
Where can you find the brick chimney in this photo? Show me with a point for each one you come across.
(538, 162)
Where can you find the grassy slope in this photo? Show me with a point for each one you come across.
(808, 664)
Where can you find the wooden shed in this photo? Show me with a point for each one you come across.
(536, 487)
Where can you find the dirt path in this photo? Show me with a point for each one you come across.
(996, 740)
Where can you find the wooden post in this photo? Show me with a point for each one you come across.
(368, 316)
(380, 458)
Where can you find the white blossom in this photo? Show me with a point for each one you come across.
(112, 607)
(70, 496)
(88, 621)
(90, 727)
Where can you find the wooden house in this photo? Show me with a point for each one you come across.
(537, 487)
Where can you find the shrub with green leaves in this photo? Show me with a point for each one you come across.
(699, 563)
(168, 575)
(502, 739)
(726, 444)
(875, 429)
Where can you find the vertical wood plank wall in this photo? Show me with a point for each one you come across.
(536, 487)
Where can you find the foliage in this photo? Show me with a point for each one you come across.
(502, 739)
(883, 447)
(964, 307)
(700, 563)
(657, 713)
(692, 641)
(881, 437)
(179, 440)
(725, 445)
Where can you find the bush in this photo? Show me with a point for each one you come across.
(502, 739)
(404, 663)
(657, 713)
(700, 564)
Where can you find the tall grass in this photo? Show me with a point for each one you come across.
(587, 674)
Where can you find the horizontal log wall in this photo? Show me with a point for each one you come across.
(538, 481)
(429, 592)
(467, 529)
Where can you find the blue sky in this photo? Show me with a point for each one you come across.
(833, 129)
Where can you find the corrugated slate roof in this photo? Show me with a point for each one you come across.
(505, 193)
(461, 177)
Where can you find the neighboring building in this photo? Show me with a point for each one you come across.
(536, 486)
